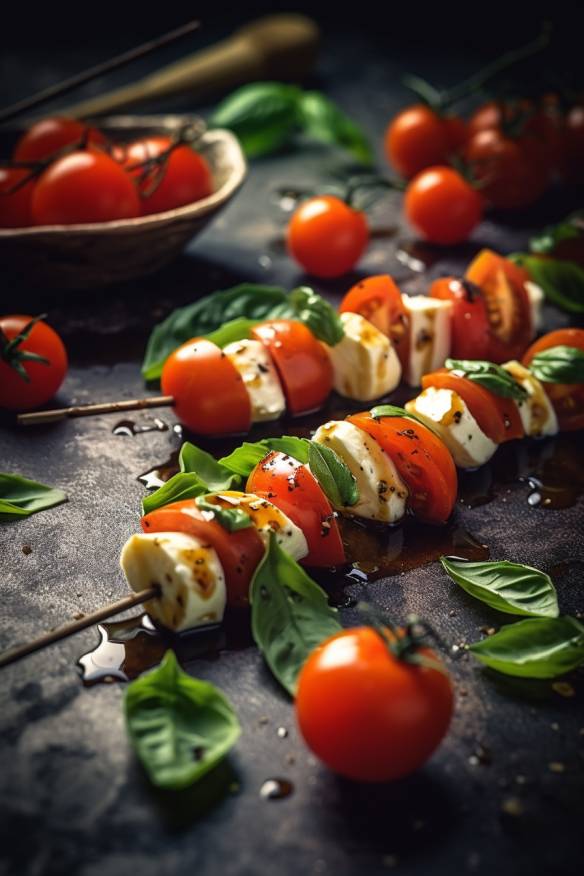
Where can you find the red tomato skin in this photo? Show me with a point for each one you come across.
(15, 208)
(509, 174)
(379, 300)
(368, 715)
(48, 136)
(567, 398)
(326, 236)
(418, 138)
(441, 206)
(85, 186)
(292, 488)
(209, 393)
(15, 393)
(470, 322)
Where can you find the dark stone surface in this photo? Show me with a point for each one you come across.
(72, 797)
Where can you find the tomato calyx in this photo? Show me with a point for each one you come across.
(403, 643)
(11, 353)
(153, 169)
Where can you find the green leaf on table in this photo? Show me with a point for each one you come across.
(263, 115)
(290, 614)
(322, 120)
(534, 648)
(231, 519)
(179, 726)
(560, 364)
(490, 376)
(547, 240)
(20, 497)
(509, 587)
(562, 281)
(334, 475)
(315, 312)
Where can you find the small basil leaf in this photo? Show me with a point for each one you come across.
(179, 726)
(316, 313)
(490, 376)
(322, 120)
(20, 497)
(569, 229)
(263, 115)
(562, 281)
(394, 411)
(297, 448)
(509, 587)
(534, 648)
(290, 614)
(334, 476)
(230, 519)
(234, 330)
(244, 459)
(210, 471)
(184, 485)
(560, 364)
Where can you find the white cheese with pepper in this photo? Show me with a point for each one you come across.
(538, 416)
(253, 362)
(365, 364)
(429, 332)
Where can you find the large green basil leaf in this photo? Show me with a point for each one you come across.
(290, 614)
(184, 485)
(320, 317)
(244, 459)
(235, 330)
(323, 120)
(334, 475)
(509, 587)
(20, 497)
(562, 281)
(534, 648)
(180, 726)
(560, 364)
(492, 377)
(210, 470)
(263, 115)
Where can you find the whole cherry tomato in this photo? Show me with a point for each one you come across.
(442, 206)
(572, 156)
(85, 186)
(567, 398)
(183, 177)
(369, 713)
(509, 174)
(48, 136)
(326, 236)
(419, 137)
(470, 321)
(32, 370)
(379, 300)
(15, 206)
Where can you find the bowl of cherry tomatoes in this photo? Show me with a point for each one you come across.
(84, 206)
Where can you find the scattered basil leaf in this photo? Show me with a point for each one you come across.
(534, 648)
(334, 476)
(562, 281)
(560, 364)
(569, 229)
(211, 471)
(235, 330)
(490, 376)
(316, 313)
(20, 497)
(230, 519)
(179, 726)
(263, 115)
(184, 485)
(323, 120)
(509, 587)
(244, 459)
(290, 614)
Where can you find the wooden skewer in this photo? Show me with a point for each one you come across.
(69, 629)
(136, 404)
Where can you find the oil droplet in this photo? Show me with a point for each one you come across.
(417, 256)
(276, 789)
(131, 427)
(158, 475)
(282, 732)
(265, 262)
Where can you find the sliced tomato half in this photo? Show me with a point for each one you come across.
(378, 299)
(470, 322)
(567, 398)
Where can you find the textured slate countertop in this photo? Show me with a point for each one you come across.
(504, 791)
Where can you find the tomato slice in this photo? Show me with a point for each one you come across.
(294, 490)
(422, 460)
(239, 552)
(498, 417)
(209, 393)
(503, 286)
(470, 322)
(302, 363)
(567, 398)
(379, 300)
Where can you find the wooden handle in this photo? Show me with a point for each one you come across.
(275, 47)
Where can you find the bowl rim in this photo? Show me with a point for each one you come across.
(188, 211)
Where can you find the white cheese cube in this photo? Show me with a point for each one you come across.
(254, 363)
(537, 413)
(365, 364)
(430, 332)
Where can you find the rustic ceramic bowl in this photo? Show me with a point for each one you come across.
(98, 254)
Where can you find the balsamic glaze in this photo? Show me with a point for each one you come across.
(276, 789)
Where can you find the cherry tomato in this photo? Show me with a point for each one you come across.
(327, 237)
(368, 714)
(85, 186)
(301, 361)
(184, 177)
(379, 300)
(503, 286)
(510, 177)
(442, 206)
(209, 393)
(418, 138)
(15, 207)
(470, 322)
(567, 398)
(292, 488)
(422, 460)
(45, 378)
(48, 136)
(572, 153)
(496, 416)
(239, 552)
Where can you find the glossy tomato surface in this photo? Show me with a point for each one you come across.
(470, 322)
(48, 136)
(45, 378)
(509, 173)
(442, 206)
(418, 138)
(379, 300)
(567, 398)
(326, 236)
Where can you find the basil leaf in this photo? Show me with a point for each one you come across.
(560, 364)
(244, 459)
(297, 448)
(490, 376)
(322, 120)
(570, 228)
(235, 330)
(320, 317)
(185, 485)
(394, 411)
(290, 614)
(509, 587)
(562, 281)
(333, 475)
(211, 472)
(230, 519)
(20, 497)
(179, 726)
(263, 115)
(534, 648)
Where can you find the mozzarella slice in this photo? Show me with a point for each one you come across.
(537, 413)
(267, 519)
(365, 364)
(429, 335)
(188, 573)
(382, 493)
(536, 296)
(254, 363)
(447, 414)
